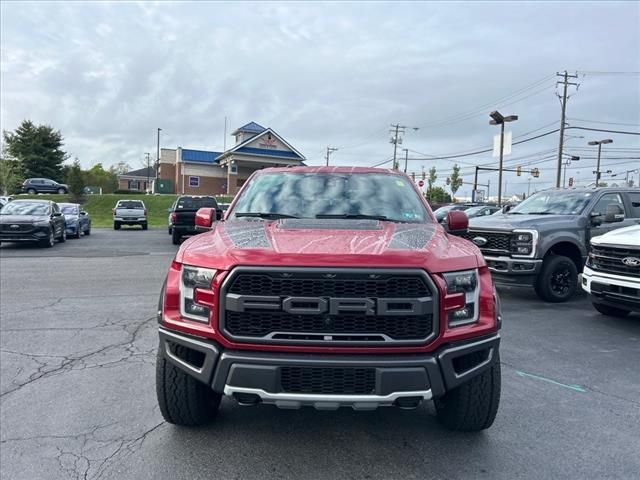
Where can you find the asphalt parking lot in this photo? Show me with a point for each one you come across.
(77, 389)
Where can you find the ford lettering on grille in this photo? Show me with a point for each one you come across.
(332, 306)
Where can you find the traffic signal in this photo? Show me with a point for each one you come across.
(571, 181)
(535, 172)
(448, 181)
(518, 170)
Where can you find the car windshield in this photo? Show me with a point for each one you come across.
(130, 204)
(442, 211)
(193, 203)
(331, 195)
(553, 203)
(25, 208)
(473, 211)
(69, 209)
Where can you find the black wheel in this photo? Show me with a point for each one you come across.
(78, 232)
(88, 231)
(558, 279)
(63, 236)
(170, 230)
(116, 226)
(144, 226)
(50, 241)
(473, 405)
(31, 191)
(176, 237)
(62, 191)
(610, 311)
(184, 400)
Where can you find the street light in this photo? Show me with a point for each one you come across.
(498, 119)
(599, 143)
(566, 164)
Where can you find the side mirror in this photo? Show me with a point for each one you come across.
(82, 212)
(506, 208)
(169, 210)
(613, 214)
(57, 214)
(205, 217)
(457, 222)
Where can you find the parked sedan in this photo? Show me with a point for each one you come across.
(78, 221)
(38, 221)
(482, 210)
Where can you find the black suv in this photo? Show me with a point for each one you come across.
(43, 185)
(543, 242)
(32, 221)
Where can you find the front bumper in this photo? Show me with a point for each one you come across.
(404, 380)
(613, 290)
(514, 271)
(35, 235)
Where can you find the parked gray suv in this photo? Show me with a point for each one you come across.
(543, 242)
(43, 185)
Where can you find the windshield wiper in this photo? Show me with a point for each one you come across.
(531, 213)
(357, 216)
(269, 215)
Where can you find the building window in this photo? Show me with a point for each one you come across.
(133, 185)
(194, 181)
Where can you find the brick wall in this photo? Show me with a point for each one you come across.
(208, 186)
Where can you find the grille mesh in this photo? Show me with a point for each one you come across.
(609, 259)
(327, 380)
(495, 241)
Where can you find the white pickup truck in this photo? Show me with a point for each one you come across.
(129, 212)
(611, 275)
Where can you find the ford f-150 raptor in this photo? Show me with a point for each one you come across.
(329, 287)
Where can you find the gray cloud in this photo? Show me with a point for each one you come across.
(109, 74)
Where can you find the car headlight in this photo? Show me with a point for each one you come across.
(193, 281)
(523, 242)
(467, 284)
(43, 223)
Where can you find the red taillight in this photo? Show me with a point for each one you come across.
(173, 217)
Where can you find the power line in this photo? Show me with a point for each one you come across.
(607, 123)
(603, 130)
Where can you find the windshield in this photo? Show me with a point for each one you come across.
(69, 209)
(473, 211)
(25, 208)
(130, 204)
(318, 195)
(442, 211)
(194, 203)
(553, 203)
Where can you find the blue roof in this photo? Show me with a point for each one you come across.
(266, 151)
(200, 156)
(251, 127)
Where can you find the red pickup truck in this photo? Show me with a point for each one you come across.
(329, 287)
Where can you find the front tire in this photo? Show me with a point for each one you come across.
(145, 226)
(472, 406)
(63, 236)
(558, 279)
(116, 226)
(50, 241)
(31, 191)
(62, 191)
(610, 311)
(183, 400)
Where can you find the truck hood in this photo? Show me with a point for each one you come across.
(512, 221)
(330, 243)
(627, 236)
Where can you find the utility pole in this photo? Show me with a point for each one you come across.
(397, 131)
(330, 150)
(158, 155)
(148, 155)
(406, 158)
(563, 100)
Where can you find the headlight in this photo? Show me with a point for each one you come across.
(193, 278)
(42, 223)
(465, 283)
(523, 242)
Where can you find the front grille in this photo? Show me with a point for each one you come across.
(328, 380)
(273, 323)
(22, 228)
(260, 324)
(495, 241)
(609, 260)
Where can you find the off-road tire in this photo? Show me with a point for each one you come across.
(183, 400)
(176, 237)
(116, 226)
(472, 406)
(610, 311)
(557, 266)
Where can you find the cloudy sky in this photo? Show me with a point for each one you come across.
(108, 74)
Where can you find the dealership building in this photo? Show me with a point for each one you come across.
(202, 172)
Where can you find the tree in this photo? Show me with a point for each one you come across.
(431, 180)
(97, 176)
(75, 181)
(120, 168)
(11, 174)
(439, 195)
(38, 148)
(456, 180)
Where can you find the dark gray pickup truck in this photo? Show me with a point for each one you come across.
(182, 215)
(543, 242)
